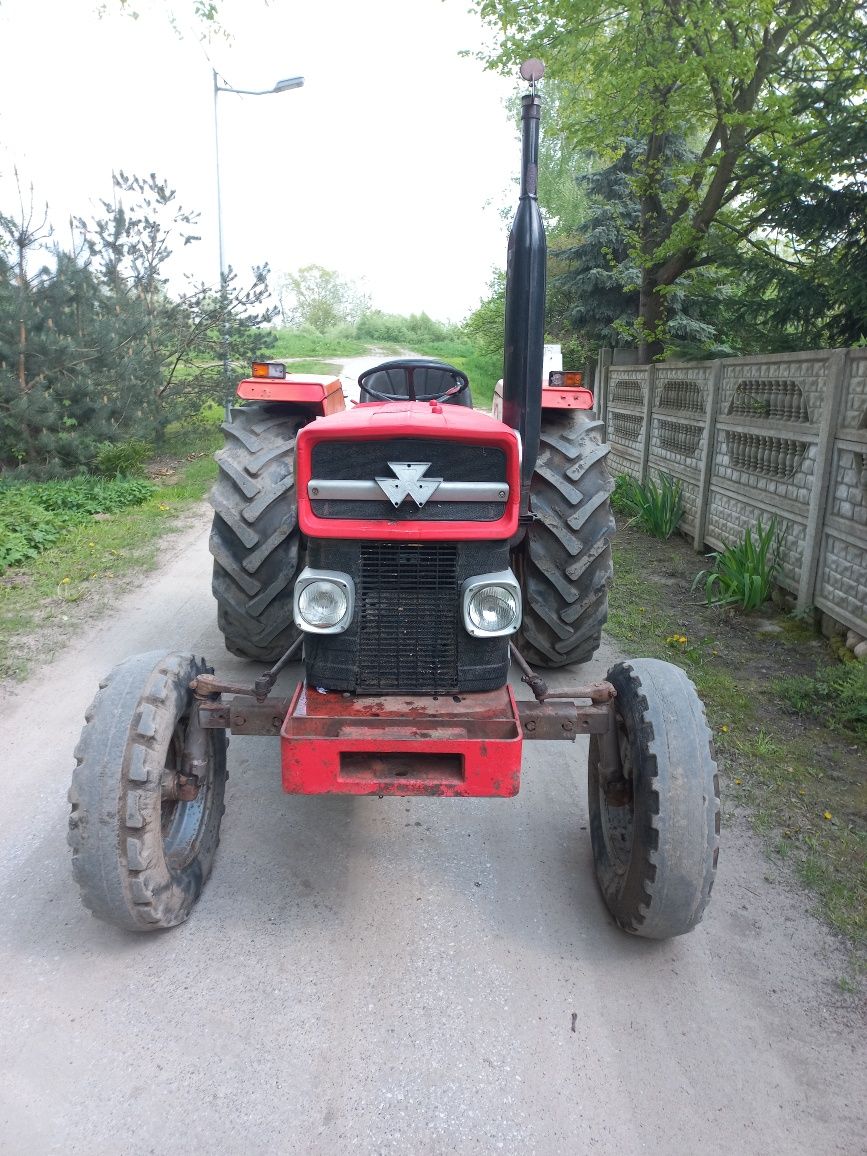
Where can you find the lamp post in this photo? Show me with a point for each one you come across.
(281, 86)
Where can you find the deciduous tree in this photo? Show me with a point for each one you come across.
(320, 299)
(742, 82)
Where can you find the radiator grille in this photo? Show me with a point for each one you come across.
(408, 603)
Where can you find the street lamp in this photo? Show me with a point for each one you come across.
(285, 85)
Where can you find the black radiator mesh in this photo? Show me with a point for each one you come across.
(409, 607)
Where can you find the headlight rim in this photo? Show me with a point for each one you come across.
(506, 580)
(337, 578)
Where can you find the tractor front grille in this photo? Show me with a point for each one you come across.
(408, 606)
(407, 634)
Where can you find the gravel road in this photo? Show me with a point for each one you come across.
(394, 975)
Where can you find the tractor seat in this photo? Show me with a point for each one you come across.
(415, 379)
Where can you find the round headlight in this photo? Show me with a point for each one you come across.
(322, 603)
(492, 609)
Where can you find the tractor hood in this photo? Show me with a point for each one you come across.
(408, 470)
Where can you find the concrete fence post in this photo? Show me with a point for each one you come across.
(602, 375)
(707, 456)
(821, 478)
(650, 386)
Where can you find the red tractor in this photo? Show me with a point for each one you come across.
(407, 550)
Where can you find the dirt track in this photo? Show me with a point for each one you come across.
(407, 976)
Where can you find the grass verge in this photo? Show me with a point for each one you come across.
(43, 600)
(800, 780)
(291, 344)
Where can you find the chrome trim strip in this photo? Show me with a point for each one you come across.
(358, 491)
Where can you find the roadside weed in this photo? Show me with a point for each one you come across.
(743, 574)
(656, 509)
(836, 695)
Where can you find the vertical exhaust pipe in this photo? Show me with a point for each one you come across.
(525, 293)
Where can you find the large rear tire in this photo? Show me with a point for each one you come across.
(565, 563)
(255, 538)
(140, 853)
(655, 820)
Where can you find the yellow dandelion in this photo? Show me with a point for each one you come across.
(64, 581)
(827, 815)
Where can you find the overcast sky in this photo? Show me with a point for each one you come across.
(392, 164)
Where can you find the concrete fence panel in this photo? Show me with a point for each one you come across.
(753, 438)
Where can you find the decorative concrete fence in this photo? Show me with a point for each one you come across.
(752, 438)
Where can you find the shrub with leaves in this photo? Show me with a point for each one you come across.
(743, 574)
(656, 509)
(26, 527)
(34, 516)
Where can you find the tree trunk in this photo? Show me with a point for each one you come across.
(651, 319)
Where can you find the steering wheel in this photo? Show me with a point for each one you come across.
(407, 369)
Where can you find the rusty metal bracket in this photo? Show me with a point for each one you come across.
(597, 692)
(244, 714)
(209, 686)
(177, 787)
(562, 721)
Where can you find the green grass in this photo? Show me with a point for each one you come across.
(836, 695)
(41, 600)
(35, 515)
(789, 781)
(291, 344)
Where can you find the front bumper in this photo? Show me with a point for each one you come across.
(446, 745)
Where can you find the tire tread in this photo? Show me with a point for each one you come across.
(566, 556)
(254, 537)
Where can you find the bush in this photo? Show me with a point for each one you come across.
(34, 516)
(743, 575)
(122, 459)
(655, 509)
(26, 527)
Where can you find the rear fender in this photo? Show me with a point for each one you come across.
(314, 394)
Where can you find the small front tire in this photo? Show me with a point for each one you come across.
(655, 825)
(140, 855)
